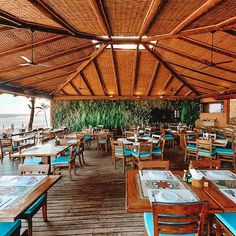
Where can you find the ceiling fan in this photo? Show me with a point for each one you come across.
(31, 62)
(211, 63)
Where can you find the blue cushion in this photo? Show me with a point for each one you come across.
(67, 153)
(34, 208)
(190, 137)
(148, 221)
(206, 153)
(7, 149)
(33, 161)
(102, 140)
(228, 219)
(224, 151)
(61, 160)
(156, 151)
(191, 146)
(8, 228)
(126, 152)
(169, 137)
(87, 138)
(143, 154)
(15, 148)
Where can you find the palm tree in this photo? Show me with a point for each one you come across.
(32, 110)
(43, 108)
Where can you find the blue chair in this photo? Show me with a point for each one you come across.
(10, 228)
(176, 219)
(158, 151)
(32, 161)
(40, 202)
(205, 149)
(168, 137)
(190, 149)
(227, 222)
(6, 147)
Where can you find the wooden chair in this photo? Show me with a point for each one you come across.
(42, 201)
(190, 149)
(179, 219)
(227, 154)
(225, 224)
(204, 149)
(129, 134)
(158, 151)
(6, 147)
(66, 161)
(154, 164)
(120, 153)
(169, 138)
(80, 151)
(10, 228)
(102, 141)
(205, 164)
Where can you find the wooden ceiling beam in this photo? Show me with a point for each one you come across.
(29, 46)
(63, 90)
(75, 88)
(221, 93)
(170, 68)
(231, 32)
(115, 69)
(178, 89)
(20, 91)
(153, 10)
(203, 87)
(191, 57)
(188, 93)
(207, 6)
(199, 71)
(101, 14)
(5, 28)
(208, 47)
(100, 77)
(81, 67)
(167, 83)
(135, 71)
(52, 56)
(86, 97)
(87, 83)
(227, 24)
(204, 81)
(47, 70)
(153, 78)
(53, 15)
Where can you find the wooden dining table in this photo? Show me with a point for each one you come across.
(135, 203)
(25, 199)
(217, 142)
(19, 139)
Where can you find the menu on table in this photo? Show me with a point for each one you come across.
(164, 186)
(13, 188)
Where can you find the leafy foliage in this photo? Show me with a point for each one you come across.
(113, 114)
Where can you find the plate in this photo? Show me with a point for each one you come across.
(167, 196)
(156, 174)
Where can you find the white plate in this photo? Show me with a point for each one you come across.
(167, 196)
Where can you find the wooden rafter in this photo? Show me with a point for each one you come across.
(86, 83)
(47, 70)
(192, 58)
(203, 81)
(52, 56)
(53, 15)
(200, 71)
(28, 46)
(188, 93)
(151, 13)
(100, 12)
(82, 66)
(231, 32)
(205, 88)
(170, 68)
(116, 75)
(169, 79)
(63, 90)
(100, 77)
(89, 97)
(195, 15)
(75, 88)
(153, 78)
(135, 71)
(178, 89)
(208, 47)
(221, 93)
(4, 28)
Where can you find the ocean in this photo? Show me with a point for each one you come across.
(21, 120)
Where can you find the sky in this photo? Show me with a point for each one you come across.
(10, 104)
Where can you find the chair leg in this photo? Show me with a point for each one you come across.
(123, 164)
(44, 211)
(82, 155)
(80, 161)
(114, 163)
(218, 228)
(69, 172)
(74, 167)
(30, 226)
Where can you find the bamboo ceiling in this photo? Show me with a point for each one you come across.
(77, 56)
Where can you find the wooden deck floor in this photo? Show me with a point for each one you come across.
(93, 203)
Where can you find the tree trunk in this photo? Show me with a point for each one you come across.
(30, 125)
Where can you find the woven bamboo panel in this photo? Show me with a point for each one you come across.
(146, 68)
(92, 77)
(69, 90)
(160, 81)
(183, 91)
(105, 64)
(171, 88)
(78, 13)
(126, 17)
(221, 12)
(80, 85)
(23, 10)
(126, 70)
(172, 14)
